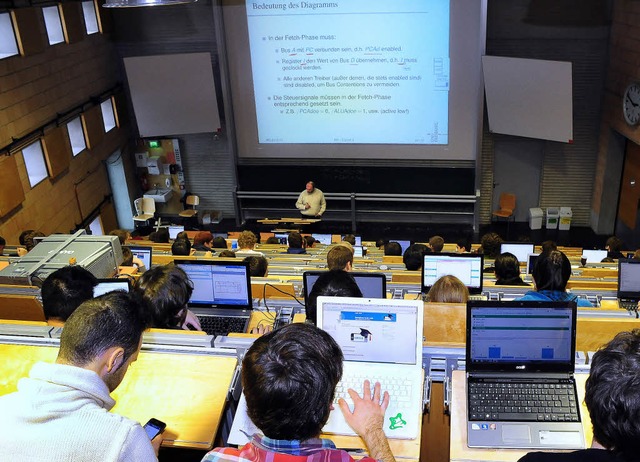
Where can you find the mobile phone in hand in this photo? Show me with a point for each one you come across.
(154, 427)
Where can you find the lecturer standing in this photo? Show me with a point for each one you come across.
(311, 202)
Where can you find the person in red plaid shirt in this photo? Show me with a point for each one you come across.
(289, 378)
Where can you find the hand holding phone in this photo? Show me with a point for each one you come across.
(154, 427)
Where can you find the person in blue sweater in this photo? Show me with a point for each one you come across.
(550, 275)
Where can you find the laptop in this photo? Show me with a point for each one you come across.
(358, 251)
(628, 284)
(520, 250)
(105, 286)
(532, 258)
(144, 253)
(322, 238)
(174, 231)
(381, 340)
(372, 285)
(594, 256)
(282, 237)
(221, 295)
(465, 266)
(404, 244)
(526, 350)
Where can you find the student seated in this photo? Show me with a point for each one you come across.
(548, 246)
(507, 268)
(393, 248)
(436, 244)
(414, 256)
(550, 275)
(272, 240)
(614, 248)
(310, 241)
(129, 259)
(335, 283)
(296, 243)
(246, 242)
(165, 292)
(226, 253)
(66, 289)
(181, 247)
(463, 245)
(123, 235)
(340, 258)
(448, 289)
(289, 378)
(611, 395)
(490, 245)
(258, 266)
(221, 243)
(203, 241)
(160, 237)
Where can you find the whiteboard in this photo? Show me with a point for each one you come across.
(529, 97)
(173, 94)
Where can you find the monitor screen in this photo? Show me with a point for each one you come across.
(521, 251)
(404, 244)
(174, 230)
(322, 238)
(466, 267)
(218, 283)
(282, 237)
(372, 285)
(143, 253)
(531, 262)
(594, 256)
(109, 285)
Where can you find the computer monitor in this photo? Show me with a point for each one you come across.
(466, 267)
(144, 253)
(594, 256)
(629, 279)
(105, 286)
(218, 283)
(372, 285)
(282, 237)
(322, 238)
(358, 251)
(531, 262)
(520, 250)
(174, 230)
(404, 244)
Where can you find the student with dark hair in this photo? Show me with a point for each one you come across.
(614, 247)
(66, 289)
(123, 235)
(29, 241)
(295, 243)
(23, 235)
(127, 257)
(272, 240)
(160, 237)
(340, 258)
(380, 243)
(219, 242)
(334, 283)
(181, 247)
(183, 235)
(165, 291)
(463, 245)
(611, 396)
(393, 248)
(289, 378)
(414, 256)
(258, 266)
(350, 238)
(436, 244)
(507, 269)
(61, 410)
(551, 274)
(310, 241)
(548, 246)
(226, 253)
(490, 245)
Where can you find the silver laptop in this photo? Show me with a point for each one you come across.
(594, 256)
(381, 340)
(520, 387)
(105, 286)
(221, 295)
(519, 249)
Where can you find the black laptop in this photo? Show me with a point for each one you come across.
(372, 285)
(628, 284)
(221, 295)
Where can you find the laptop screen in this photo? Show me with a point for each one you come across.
(282, 237)
(143, 253)
(629, 279)
(521, 336)
(372, 285)
(174, 230)
(322, 238)
(358, 251)
(466, 267)
(374, 330)
(221, 284)
(521, 251)
(531, 262)
(404, 244)
(594, 256)
(109, 285)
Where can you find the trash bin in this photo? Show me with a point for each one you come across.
(552, 217)
(535, 218)
(564, 222)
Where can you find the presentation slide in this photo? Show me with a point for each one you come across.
(318, 79)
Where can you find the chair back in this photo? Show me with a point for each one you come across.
(148, 205)
(193, 201)
(507, 201)
(137, 204)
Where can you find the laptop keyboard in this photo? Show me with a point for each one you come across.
(629, 305)
(216, 325)
(399, 389)
(523, 401)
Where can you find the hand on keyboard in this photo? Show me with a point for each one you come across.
(191, 322)
(368, 411)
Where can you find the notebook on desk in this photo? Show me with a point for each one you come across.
(466, 267)
(221, 295)
(628, 284)
(381, 340)
(520, 359)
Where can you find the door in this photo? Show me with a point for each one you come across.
(516, 169)
(627, 218)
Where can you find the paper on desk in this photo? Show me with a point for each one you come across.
(242, 428)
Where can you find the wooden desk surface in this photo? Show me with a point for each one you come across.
(188, 392)
(458, 443)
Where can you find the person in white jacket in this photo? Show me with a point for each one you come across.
(311, 201)
(61, 411)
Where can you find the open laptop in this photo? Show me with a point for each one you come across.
(174, 230)
(527, 351)
(465, 266)
(628, 284)
(403, 244)
(372, 285)
(381, 340)
(358, 251)
(519, 249)
(322, 238)
(144, 253)
(105, 286)
(221, 295)
(532, 258)
(594, 256)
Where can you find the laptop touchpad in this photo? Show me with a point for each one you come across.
(516, 433)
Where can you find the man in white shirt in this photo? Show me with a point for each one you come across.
(60, 412)
(311, 201)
